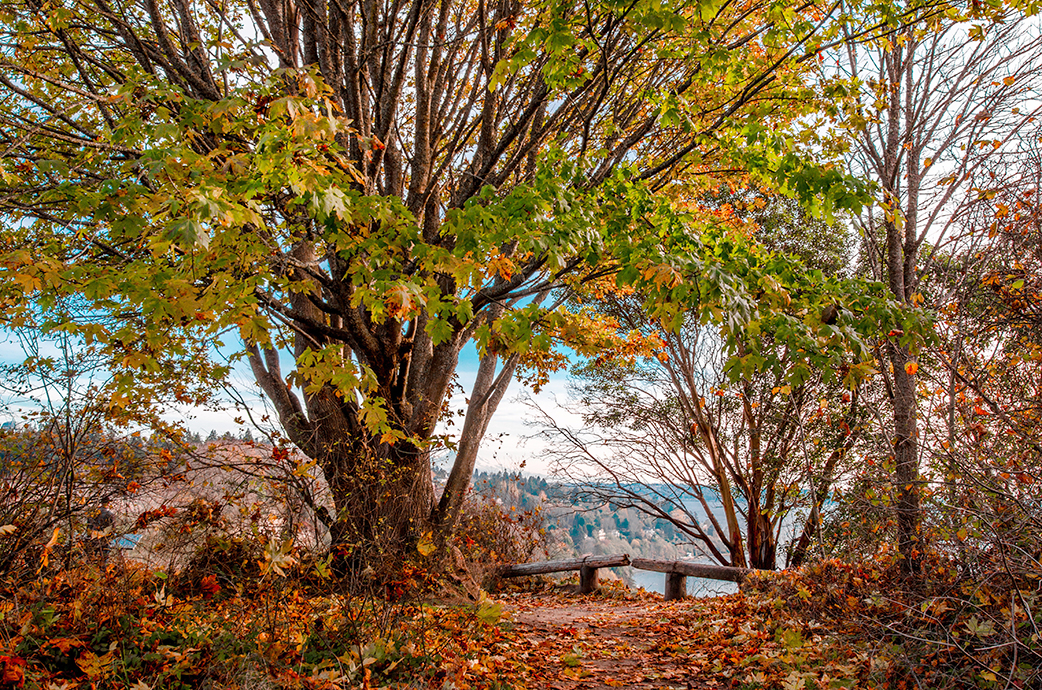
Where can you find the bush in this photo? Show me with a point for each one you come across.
(491, 535)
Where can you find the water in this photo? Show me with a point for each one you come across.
(696, 586)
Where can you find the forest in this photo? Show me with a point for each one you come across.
(788, 258)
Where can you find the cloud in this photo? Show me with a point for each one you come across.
(510, 442)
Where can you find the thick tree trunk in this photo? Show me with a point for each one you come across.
(382, 503)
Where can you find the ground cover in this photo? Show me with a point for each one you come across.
(618, 638)
(281, 624)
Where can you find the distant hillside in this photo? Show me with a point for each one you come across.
(576, 527)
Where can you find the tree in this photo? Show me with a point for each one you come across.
(727, 432)
(986, 435)
(360, 189)
(930, 107)
(69, 454)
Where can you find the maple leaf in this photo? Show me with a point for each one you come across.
(426, 544)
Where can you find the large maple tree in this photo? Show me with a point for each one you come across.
(355, 190)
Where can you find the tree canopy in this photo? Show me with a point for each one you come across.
(353, 191)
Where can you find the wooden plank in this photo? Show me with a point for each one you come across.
(710, 572)
(545, 567)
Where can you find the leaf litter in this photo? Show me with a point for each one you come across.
(618, 638)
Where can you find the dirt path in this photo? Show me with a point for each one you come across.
(613, 640)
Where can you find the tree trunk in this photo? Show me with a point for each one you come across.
(382, 503)
(763, 546)
(486, 395)
(906, 461)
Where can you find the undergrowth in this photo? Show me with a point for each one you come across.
(945, 628)
(123, 626)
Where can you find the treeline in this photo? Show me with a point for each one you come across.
(576, 523)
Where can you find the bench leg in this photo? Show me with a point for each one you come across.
(676, 586)
(588, 579)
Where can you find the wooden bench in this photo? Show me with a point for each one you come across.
(586, 565)
(676, 571)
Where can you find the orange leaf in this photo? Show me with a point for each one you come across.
(46, 555)
(209, 586)
(14, 670)
(911, 368)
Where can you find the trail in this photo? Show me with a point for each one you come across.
(613, 640)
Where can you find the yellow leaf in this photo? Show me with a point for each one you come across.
(426, 544)
(1008, 81)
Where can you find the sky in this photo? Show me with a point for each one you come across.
(508, 444)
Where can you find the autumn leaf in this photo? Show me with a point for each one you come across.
(278, 557)
(46, 555)
(209, 586)
(95, 667)
(14, 670)
(911, 368)
(489, 611)
(426, 544)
